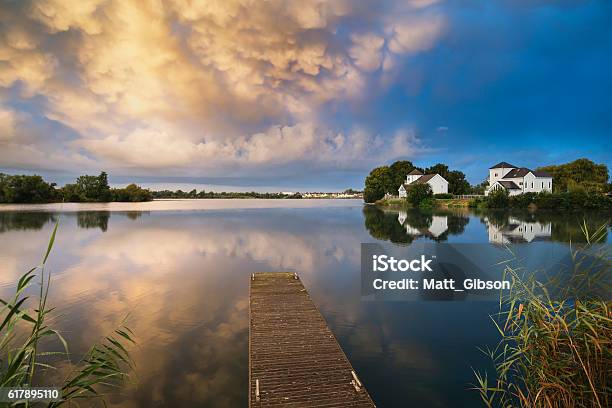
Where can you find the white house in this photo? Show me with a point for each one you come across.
(437, 183)
(517, 180)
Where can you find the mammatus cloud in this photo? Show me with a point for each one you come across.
(140, 85)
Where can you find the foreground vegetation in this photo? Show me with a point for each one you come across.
(25, 328)
(570, 200)
(23, 189)
(556, 337)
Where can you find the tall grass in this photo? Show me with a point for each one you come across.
(556, 337)
(24, 326)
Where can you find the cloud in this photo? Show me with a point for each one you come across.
(367, 51)
(181, 83)
(412, 35)
(304, 143)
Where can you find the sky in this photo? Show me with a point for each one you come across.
(299, 95)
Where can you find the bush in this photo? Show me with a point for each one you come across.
(418, 193)
(521, 200)
(578, 199)
(428, 202)
(498, 198)
(131, 193)
(443, 196)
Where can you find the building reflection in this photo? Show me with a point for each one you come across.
(516, 231)
(437, 225)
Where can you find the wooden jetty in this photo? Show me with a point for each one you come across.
(294, 359)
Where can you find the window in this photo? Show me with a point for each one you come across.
(531, 184)
(520, 183)
(549, 184)
(495, 174)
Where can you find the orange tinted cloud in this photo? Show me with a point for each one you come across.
(182, 83)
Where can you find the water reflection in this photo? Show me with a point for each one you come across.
(515, 227)
(404, 226)
(21, 220)
(501, 227)
(93, 219)
(518, 231)
(183, 277)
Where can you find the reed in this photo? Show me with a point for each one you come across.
(555, 349)
(25, 325)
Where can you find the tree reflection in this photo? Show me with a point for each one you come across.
(404, 226)
(17, 220)
(559, 226)
(93, 219)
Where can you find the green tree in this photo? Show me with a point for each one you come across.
(26, 189)
(579, 174)
(498, 198)
(398, 172)
(417, 194)
(131, 193)
(103, 189)
(457, 184)
(378, 182)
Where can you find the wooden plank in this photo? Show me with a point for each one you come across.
(294, 359)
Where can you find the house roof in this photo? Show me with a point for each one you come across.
(510, 185)
(415, 172)
(541, 174)
(424, 179)
(521, 172)
(503, 165)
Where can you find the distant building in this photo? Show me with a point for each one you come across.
(517, 180)
(437, 183)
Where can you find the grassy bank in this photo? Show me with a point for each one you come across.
(438, 203)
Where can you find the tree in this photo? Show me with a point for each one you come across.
(579, 174)
(377, 184)
(131, 193)
(398, 172)
(457, 184)
(416, 194)
(480, 188)
(26, 189)
(103, 189)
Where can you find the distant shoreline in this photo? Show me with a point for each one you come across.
(180, 205)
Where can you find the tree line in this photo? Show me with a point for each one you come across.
(24, 189)
(581, 175)
(211, 194)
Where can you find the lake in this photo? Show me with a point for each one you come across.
(180, 270)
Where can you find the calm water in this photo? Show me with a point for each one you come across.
(181, 269)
